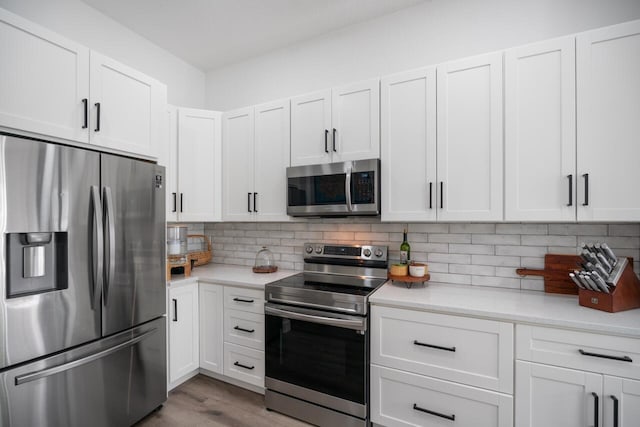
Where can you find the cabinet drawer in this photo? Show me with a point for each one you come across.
(244, 364)
(404, 399)
(244, 299)
(244, 328)
(470, 351)
(586, 351)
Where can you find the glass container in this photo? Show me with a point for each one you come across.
(264, 262)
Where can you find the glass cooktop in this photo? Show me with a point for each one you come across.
(332, 283)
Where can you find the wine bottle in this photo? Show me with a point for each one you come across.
(405, 249)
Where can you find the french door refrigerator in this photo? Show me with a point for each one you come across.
(82, 286)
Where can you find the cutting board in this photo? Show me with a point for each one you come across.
(556, 273)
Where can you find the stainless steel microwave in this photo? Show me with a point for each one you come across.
(334, 189)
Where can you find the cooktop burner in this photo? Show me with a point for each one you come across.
(332, 283)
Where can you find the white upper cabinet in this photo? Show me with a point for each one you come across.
(272, 154)
(54, 87)
(540, 136)
(237, 154)
(608, 84)
(408, 145)
(169, 159)
(44, 81)
(199, 165)
(310, 124)
(336, 125)
(127, 107)
(470, 146)
(355, 118)
(256, 155)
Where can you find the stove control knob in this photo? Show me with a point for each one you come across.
(309, 249)
(378, 252)
(367, 252)
(318, 249)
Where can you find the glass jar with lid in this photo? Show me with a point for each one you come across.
(264, 262)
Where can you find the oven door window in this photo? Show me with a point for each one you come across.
(323, 358)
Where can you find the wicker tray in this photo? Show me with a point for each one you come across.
(204, 256)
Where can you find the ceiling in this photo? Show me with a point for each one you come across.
(212, 33)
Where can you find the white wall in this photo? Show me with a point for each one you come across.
(85, 25)
(429, 33)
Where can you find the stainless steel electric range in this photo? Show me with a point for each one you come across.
(317, 335)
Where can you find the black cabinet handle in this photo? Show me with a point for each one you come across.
(85, 103)
(238, 328)
(175, 202)
(326, 138)
(255, 206)
(437, 414)
(437, 347)
(247, 367)
(570, 176)
(596, 409)
(334, 140)
(441, 195)
(97, 105)
(243, 300)
(606, 356)
(586, 189)
(431, 195)
(615, 410)
(181, 199)
(175, 309)
(249, 202)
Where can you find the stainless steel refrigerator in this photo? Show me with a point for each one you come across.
(82, 286)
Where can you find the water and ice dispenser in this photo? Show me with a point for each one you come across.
(36, 262)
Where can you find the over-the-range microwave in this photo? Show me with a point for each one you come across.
(334, 189)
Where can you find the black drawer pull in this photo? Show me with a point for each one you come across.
(437, 347)
(243, 300)
(606, 356)
(238, 328)
(175, 309)
(437, 414)
(243, 366)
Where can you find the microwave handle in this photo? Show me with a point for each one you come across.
(347, 189)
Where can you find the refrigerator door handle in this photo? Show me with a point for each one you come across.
(110, 267)
(22, 379)
(97, 258)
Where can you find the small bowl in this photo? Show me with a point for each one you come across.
(399, 270)
(417, 270)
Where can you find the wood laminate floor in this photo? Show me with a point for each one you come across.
(204, 401)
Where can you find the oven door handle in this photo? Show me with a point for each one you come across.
(356, 324)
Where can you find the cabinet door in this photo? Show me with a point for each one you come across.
(44, 79)
(540, 136)
(199, 165)
(127, 107)
(211, 318)
(621, 402)
(408, 146)
(237, 154)
(355, 116)
(169, 159)
(272, 150)
(310, 128)
(608, 82)
(549, 396)
(183, 331)
(470, 139)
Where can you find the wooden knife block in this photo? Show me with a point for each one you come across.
(624, 296)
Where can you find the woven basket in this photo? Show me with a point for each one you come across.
(201, 257)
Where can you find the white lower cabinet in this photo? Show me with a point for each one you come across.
(431, 369)
(244, 363)
(211, 322)
(183, 332)
(569, 378)
(404, 399)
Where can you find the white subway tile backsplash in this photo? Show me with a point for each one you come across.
(479, 254)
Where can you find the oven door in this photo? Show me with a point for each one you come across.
(317, 356)
(343, 188)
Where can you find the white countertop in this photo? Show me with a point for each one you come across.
(230, 275)
(506, 304)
